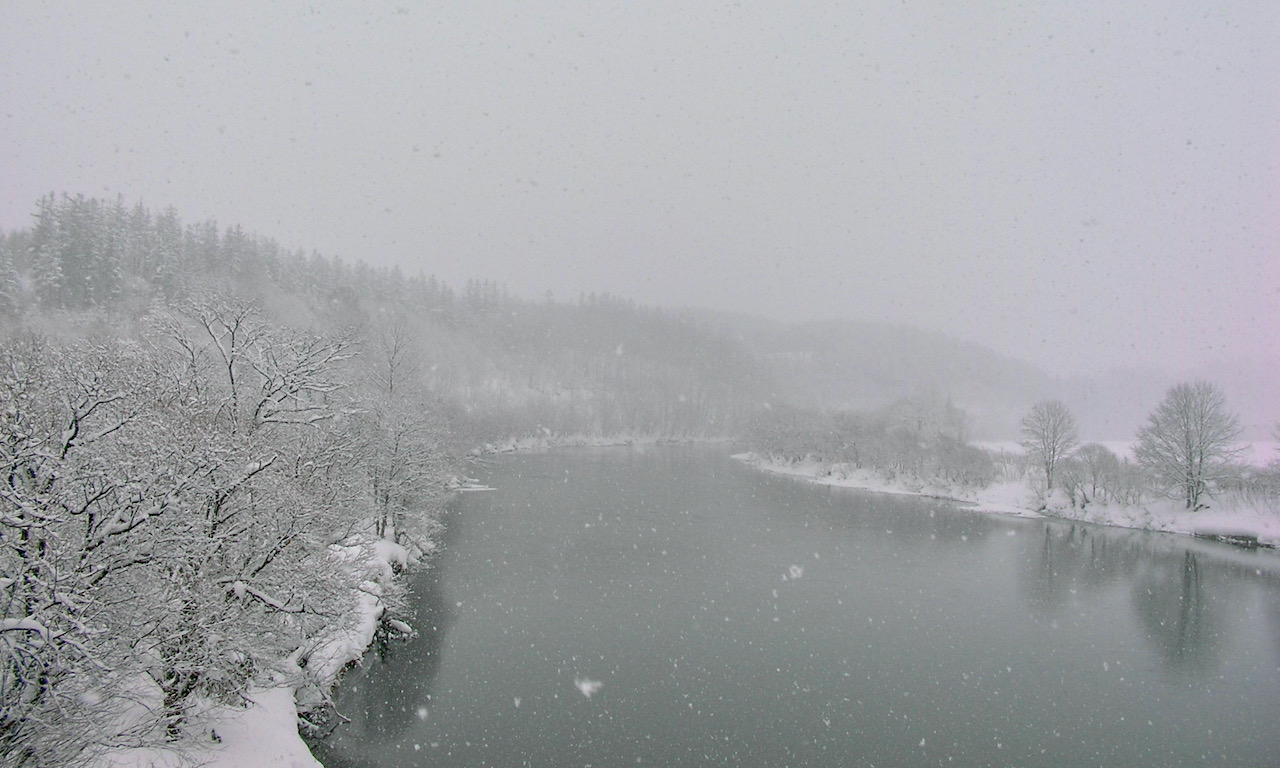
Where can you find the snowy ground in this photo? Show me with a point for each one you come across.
(265, 732)
(1002, 498)
(1232, 515)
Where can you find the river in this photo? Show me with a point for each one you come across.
(721, 616)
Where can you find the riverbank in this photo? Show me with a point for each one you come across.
(553, 441)
(1233, 518)
(264, 732)
(1002, 498)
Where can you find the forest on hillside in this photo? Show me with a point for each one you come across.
(600, 365)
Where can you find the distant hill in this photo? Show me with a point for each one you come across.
(505, 365)
(846, 364)
(600, 365)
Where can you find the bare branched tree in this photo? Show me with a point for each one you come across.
(167, 513)
(1190, 442)
(1092, 473)
(1049, 436)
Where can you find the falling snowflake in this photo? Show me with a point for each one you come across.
(796, 571)
(587, 685)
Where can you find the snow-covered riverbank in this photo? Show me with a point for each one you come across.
(1232, 516)
(552, 441)
(265, 731)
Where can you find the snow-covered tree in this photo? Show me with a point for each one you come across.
(1092, 473)
(1049, 436)
(402, 433)
(10, 287)
(1190, 442)
(260, 373)
(92, 455)
(168, 521)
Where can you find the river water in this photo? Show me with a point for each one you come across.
(720, 616)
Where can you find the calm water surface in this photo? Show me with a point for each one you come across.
(733, 618)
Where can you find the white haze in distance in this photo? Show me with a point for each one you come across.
(1086, 185)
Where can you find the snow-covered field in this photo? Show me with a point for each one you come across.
(1231, 515)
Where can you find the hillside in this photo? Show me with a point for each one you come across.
(600, 364)
(846, 364)
(504, 365)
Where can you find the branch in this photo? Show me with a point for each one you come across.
(240, 589)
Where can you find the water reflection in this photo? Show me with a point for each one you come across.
(1181, 614)
(380, 702)
(1172, 589)
(911, 520)
(1073, 558)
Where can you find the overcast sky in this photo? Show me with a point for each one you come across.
(1081, 184)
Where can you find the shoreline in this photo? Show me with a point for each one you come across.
(553, 441)
(1241, 522)
(1000, 499)
(266, 730)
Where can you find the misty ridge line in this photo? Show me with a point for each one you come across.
(835, 364)
(83, 253)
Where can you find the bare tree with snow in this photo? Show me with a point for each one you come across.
(1049, 436)
(1189, 442)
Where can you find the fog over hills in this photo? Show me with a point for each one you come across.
(847, 364)
(1079, 186)
(486, 343)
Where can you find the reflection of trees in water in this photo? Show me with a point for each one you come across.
(1178, 612)
(1074, 557)
(402, 694)
(1171, 586)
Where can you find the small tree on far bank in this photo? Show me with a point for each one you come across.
(1093, 473)
(1049, 436)
(1190, 442)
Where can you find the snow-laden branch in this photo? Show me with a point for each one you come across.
(25, 624)
(292, 373)
(240, 589)
(128, 518)
(80, 412)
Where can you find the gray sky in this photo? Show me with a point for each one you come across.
(1084, 185)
